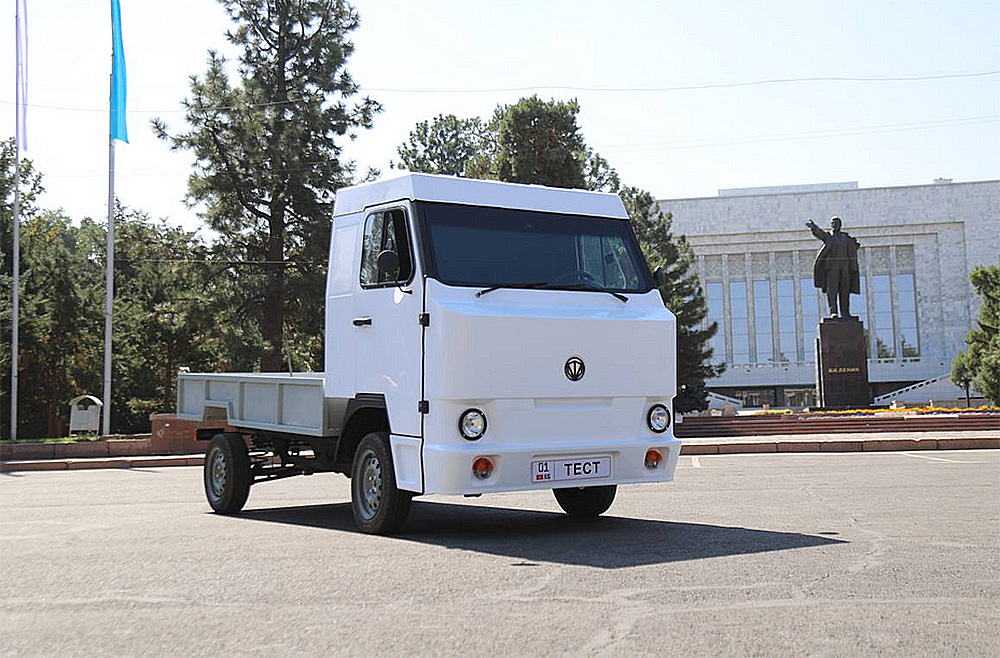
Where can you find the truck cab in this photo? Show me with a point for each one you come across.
(480, 337)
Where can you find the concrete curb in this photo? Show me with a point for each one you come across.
(690, 447)
(708, 447)
(154, 461)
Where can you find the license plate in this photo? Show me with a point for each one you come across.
(558, 470)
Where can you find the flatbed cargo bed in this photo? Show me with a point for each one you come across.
(274, 402)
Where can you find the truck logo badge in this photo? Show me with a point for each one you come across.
(574, 368)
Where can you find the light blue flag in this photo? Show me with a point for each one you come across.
(119, 130)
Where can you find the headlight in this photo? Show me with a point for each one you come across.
(658, 418)
(472, 424)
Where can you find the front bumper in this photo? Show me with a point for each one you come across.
(448, 468)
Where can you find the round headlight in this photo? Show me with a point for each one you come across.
(472, 424)
(658, 418)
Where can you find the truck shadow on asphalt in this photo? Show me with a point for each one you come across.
(531, 536)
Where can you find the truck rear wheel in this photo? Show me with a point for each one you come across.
(227, 473)
(379, 507)
(586, 501)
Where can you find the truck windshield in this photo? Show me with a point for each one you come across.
(477, 246)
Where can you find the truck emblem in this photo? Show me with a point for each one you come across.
(574, 369)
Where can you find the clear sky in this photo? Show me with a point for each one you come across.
(420, 58)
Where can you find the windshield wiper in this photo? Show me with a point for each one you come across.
(535, 284)
(587, 285)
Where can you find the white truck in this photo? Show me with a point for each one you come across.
(480, 337)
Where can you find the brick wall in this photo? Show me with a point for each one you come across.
(172, 436)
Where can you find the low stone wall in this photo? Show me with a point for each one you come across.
(116, 446)
(169, 436)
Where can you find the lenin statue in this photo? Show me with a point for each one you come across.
(835, 271)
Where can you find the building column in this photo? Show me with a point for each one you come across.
(727, 324)
(751, 318)
(800, 345)
(870, 305)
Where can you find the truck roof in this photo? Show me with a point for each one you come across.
(473, 192)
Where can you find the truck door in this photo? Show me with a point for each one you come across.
(386, 320)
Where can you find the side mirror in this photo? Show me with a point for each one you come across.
(388, 262)
(659, 277)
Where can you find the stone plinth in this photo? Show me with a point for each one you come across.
(841, 365)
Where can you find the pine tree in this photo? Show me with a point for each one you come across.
(268, 158)
(980, 364)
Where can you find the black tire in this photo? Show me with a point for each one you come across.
(586, 501)
(379, 507)
(227, 473)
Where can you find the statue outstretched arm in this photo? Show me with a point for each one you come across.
(817, 231)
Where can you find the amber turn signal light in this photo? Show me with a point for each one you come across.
(653, 458)
(482, 468)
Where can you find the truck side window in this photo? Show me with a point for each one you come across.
(385, 231)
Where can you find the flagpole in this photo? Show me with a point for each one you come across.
(21, 66)
(109, 293)
(17, 272)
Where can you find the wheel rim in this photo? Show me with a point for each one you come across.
(371, 485)
(217, 474)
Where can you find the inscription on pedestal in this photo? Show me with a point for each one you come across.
(841, 364)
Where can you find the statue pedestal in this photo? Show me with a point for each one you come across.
(841, 365)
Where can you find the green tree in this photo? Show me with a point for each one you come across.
(444, 145)
(268, 158)
(962, 373)
(531, 141)
(539, 142)
(165, 310)
(681, 293)
(30, 189)
(59, 323)
(980, 363)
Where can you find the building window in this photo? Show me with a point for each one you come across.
(885, 347)
(800, 397)
(786, 320)
(717, 313)
(810, 318)
(906, 316)
(762, 320)
(741, 323)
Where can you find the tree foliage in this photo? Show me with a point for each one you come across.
(444, 145)
(980, 363)
(164, 294)
(30, 189)
(539, 142)
(532, 141)
(160, 318)
(268, 157)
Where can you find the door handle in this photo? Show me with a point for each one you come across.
(361, 322)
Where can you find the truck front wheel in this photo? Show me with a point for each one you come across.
(585, 501)
(227, 473)
(379, 507)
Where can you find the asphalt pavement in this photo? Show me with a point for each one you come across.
(887, 553)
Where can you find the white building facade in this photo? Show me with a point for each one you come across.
(754, 258)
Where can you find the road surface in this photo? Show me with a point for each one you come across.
(835, 554)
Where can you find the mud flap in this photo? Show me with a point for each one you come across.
(406, 462)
